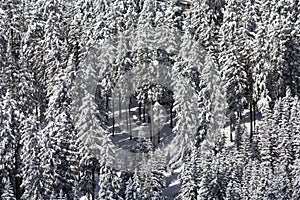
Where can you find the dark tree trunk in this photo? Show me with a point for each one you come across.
(107, 108)
(129, 106)
(140, 111)
(127, 121)
(113, 129)
(94, 185)
(158, 137)
(37, 116)
(16, 174)
(120, 106)
(254, 115)
(152, 127)
(113, 118)
(130, 131)
(251, 121)
(171, 115)
(231, 129)
(144, 113)
(240, 115)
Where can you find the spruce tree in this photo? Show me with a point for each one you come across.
(31, 170)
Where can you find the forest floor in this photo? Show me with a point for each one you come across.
(139, 139)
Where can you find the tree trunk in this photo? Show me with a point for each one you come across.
(129, 105)
(126, 112)
(158, 137)
(129, 118)
(16, 174)
(120, 107)
(140, 111)
(1, 116)
(152, 127)
(94, 186)
(113, 116)
(37, 116)
(231, 129)
(144, 114)
(254, 115)
(150, 131)
(107, 108)
(231, 137)
(130, 131)
(251, 121)
(171, 115)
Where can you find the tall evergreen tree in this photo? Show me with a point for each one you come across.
(233, 68)
(190, 176)
(58, 152)
(295, 140)
(32, 174)
(133, 187)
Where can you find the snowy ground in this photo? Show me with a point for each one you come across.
(141, 132)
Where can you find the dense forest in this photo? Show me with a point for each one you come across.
(149, 99)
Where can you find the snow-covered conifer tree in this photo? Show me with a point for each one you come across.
(233, 68)
(31, 171)
(134, 187)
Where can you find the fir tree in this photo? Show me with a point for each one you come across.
(133, 187)
(32, 173)
(189, 176)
